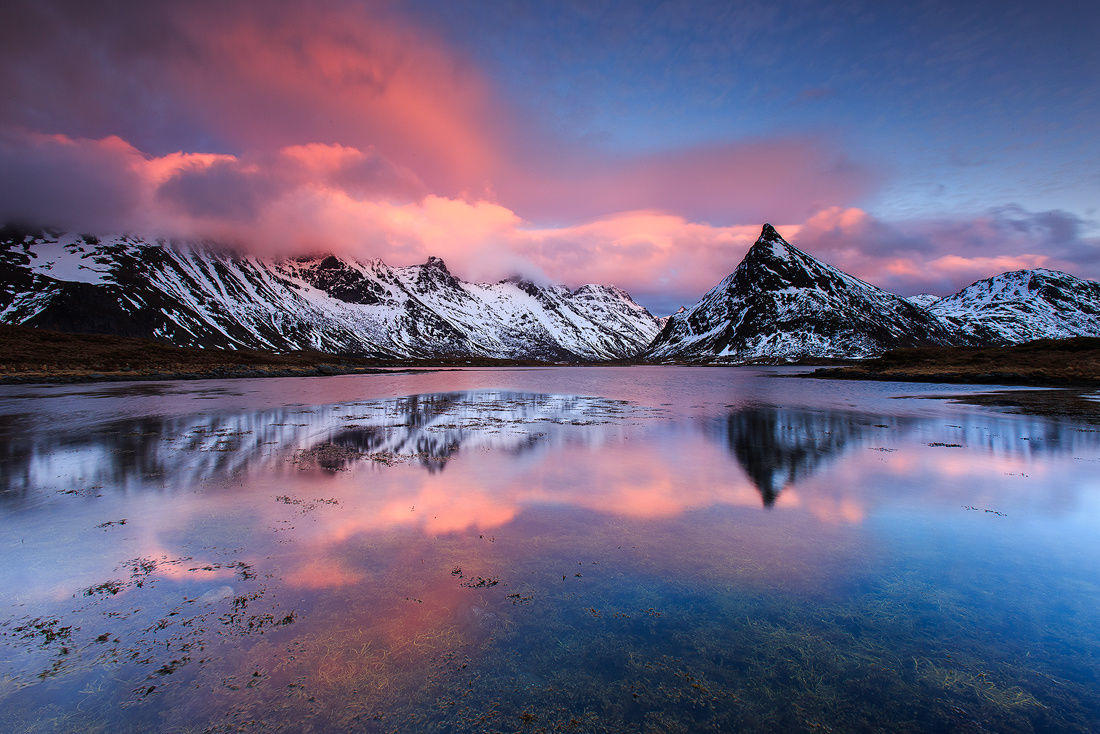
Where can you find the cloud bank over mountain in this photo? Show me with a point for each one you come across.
(349, 127)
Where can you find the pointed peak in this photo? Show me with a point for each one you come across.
(768, 233)
(437, 263)
(770, 244)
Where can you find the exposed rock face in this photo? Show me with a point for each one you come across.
(196, 295)
(782, 304)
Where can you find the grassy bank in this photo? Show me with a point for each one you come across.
(1048, 362)
(37, 355)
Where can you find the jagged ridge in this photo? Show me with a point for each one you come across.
(195, 295)
(780, 304)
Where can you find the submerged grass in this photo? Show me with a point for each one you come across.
(681, 632)
(652, 655)
(620, 645)
(611, 651)
(745, 661)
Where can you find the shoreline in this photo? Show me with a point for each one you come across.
(1069, 363)
(990, 379)
(35, 356)
(321, 371)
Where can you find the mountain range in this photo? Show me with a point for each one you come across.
(780, 304)
(200, 296)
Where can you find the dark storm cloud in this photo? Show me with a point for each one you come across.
(49, 180)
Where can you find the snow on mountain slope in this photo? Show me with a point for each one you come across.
(195, 295)
(1024, 305)
(782, 304)
(924, 300)
(662, 321)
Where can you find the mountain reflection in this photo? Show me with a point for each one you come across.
(425, 429)
(778, 447)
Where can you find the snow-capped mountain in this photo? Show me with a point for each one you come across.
(782, 304)
(195, 295)
(1024, 305)
(924, 300)
(663, 320)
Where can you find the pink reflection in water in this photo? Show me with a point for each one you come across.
(397, 534)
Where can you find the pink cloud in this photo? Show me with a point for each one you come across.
(784, 178)
(322, 197)
(978, 264)
(252, 76)
(414, 116)
(52, 178)
(341, 126)
(941, 256)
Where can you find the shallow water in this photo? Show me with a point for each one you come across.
(558, 549)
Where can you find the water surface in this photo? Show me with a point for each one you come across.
(589, 549)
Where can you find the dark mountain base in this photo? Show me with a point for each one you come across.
(1062, 362)
(38, 355)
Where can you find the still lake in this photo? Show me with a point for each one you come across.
(559, 549)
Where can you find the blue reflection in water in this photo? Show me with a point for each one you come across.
(713, 548)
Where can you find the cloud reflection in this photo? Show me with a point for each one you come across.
(570, 500)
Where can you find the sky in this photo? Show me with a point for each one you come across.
(920, 146)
